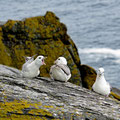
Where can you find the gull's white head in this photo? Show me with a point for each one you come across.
(100, 71)
(40, 60)
(61, 60)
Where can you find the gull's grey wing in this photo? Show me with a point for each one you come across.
(34, 56)
(30, 59)
(24, 67)
(51, 71)
(65, 68)
(52, 68)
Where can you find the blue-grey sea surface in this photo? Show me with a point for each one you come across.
(94, 26)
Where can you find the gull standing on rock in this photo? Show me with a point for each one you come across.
(31, 69)
(60, 71)
(101, 86)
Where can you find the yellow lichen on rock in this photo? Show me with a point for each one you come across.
(22, 110)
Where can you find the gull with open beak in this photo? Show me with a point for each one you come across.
(31, 70)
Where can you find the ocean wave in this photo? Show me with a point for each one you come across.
(104, 51)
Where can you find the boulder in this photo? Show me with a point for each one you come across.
(43, 98)
(88, 75)
(41, 35)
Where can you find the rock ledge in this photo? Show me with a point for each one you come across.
(42, 98)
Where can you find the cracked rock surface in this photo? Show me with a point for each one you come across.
(43, 98)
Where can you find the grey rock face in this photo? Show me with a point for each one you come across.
(74, 102)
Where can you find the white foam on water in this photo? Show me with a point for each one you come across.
(98, 53)
(104, 51)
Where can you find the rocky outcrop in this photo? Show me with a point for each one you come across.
(42, 35)
(42, 98)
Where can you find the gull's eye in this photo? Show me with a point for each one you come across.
(58, 58)
(39, 57)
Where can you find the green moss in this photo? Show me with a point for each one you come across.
(51, 18)
(8, 26)
(4, 54)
